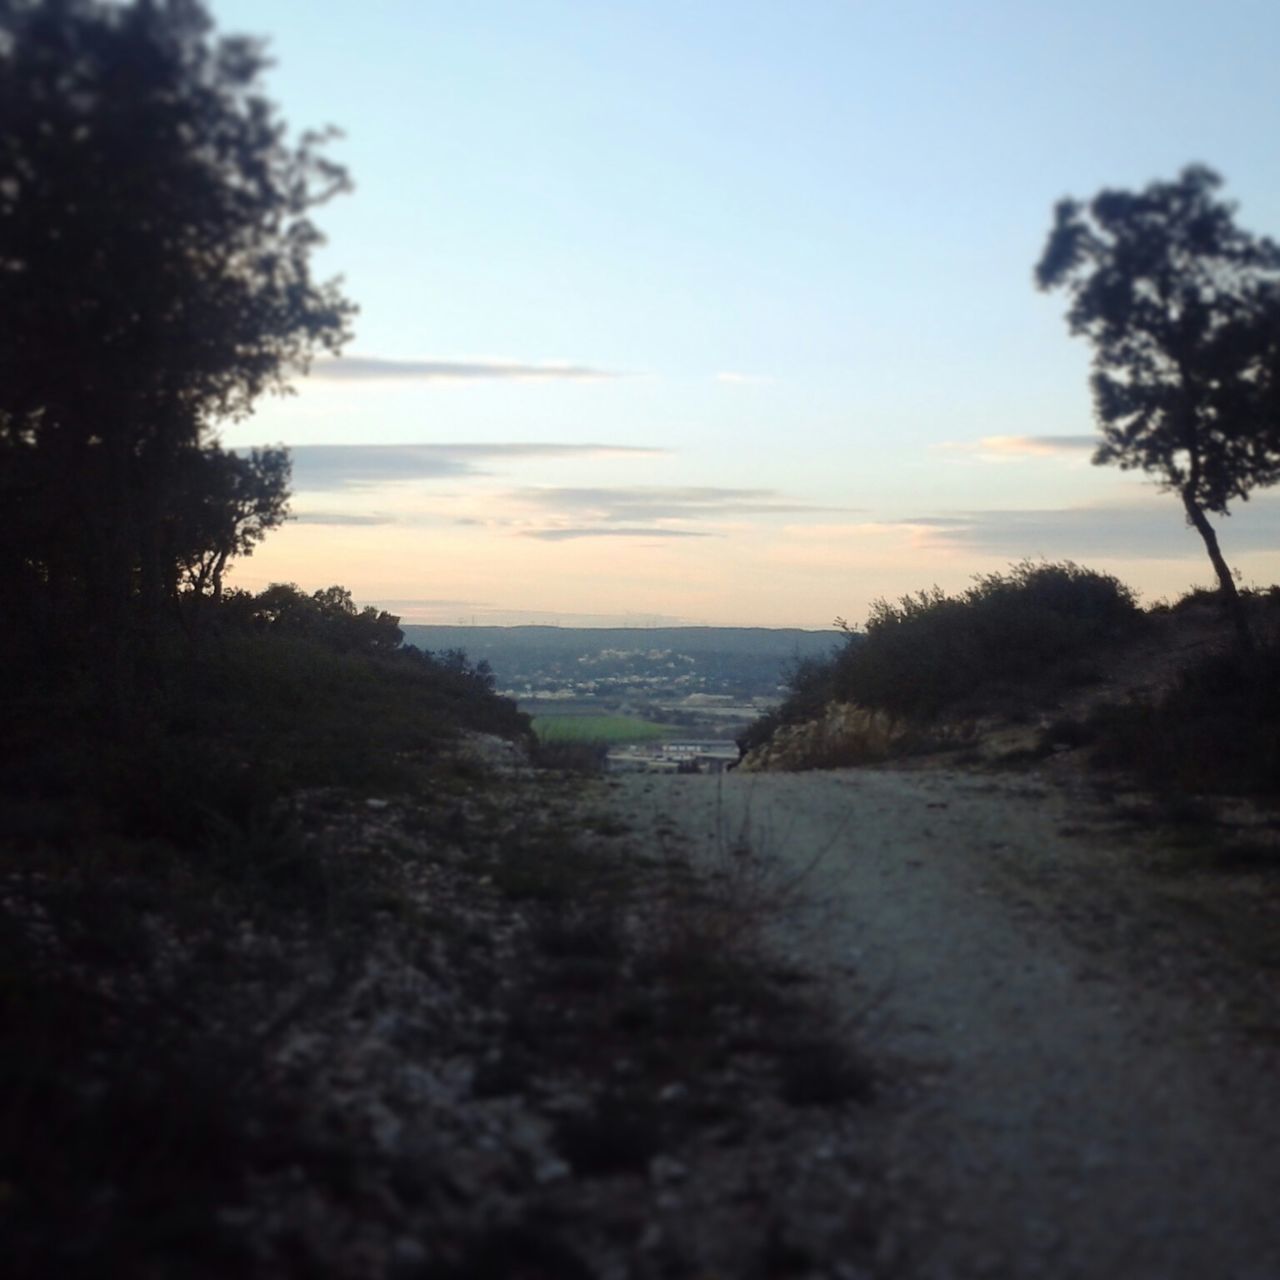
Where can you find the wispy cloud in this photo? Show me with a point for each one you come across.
(378, 369)
(628, 504)
(340, 518)
(1022, 446)
(335, 467)
(611, 531)
(1151, 530)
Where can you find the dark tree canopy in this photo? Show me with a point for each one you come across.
(155, 279)
(330, 615)
(153, 228)
(224, 505)
(1183, 310)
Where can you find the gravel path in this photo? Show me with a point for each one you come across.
(1070, 1113)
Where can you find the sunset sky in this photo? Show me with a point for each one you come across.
(722, 313)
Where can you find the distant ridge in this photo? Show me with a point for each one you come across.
(748, 660)
(756, 641)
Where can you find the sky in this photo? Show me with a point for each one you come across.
(722, 313)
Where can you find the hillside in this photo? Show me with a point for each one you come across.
(385, 1000)
(1046, 663)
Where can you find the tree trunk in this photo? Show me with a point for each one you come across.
(1231, 600)
(109, 574)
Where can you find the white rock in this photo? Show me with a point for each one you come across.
(552, 1169)
(664, 1170)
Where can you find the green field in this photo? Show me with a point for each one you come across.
(615, 730)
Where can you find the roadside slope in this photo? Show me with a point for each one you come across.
(1073, 1106)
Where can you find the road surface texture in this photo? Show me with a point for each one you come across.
(1073, 1098)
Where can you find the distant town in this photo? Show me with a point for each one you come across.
(662, 699)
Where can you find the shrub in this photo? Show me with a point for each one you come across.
(932, 652)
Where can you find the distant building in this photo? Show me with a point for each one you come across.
(708, 756)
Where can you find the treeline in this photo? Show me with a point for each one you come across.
(155, 278)
(156, 243)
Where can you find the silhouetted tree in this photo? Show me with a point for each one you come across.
(224, 505)
(329, 615)
(1183, 310)
(154, 278)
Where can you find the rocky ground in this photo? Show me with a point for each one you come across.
(907, 1022)
(477, 1033)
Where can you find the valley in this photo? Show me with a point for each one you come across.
(627, 686)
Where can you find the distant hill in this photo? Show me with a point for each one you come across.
(743, 661)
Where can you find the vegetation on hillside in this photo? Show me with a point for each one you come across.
(933, 653)
(1015, 644)
(290, 691)
(155, 271)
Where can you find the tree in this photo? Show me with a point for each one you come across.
(1183, 310)
(329, 615)
(225, 504)
(155, 277)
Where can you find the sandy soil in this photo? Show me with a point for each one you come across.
(1075, 1097)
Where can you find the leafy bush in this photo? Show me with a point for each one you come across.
(932, 652)
(1197, 598)
(1257, 600)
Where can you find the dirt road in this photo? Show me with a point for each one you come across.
(1074, 1107)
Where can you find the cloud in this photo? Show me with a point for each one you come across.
(1022, 446)
(1138, 530)
(331, 468)
(610, 504)
(377, 369)
(611, 531)
(339, 517)
(729, 375)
